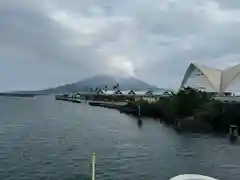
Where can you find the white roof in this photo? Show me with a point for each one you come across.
(219, 79)
(229, 75)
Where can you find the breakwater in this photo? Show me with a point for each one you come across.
(69, 99)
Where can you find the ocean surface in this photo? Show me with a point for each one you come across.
(44, 139)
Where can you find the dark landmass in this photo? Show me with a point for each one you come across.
(99, 81)
(16, 95)
(189, 110)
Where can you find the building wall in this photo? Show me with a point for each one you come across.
(233, 99)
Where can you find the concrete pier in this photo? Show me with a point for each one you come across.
(69, 99)
(113, 105)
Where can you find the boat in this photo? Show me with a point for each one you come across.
(65, 97)
(179, 177)
(192, 177)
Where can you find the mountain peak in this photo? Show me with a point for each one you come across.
(102, 81)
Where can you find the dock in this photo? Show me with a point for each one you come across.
(69, 99)
(112, 105)
(122, 106)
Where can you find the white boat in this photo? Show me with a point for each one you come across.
(192, 177)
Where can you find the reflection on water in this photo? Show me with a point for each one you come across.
(46, 139)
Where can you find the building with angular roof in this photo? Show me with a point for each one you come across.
(211, 79)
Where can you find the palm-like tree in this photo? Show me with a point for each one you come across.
(149, 93)
(117, 86)
(132, 92)
(105, 88)
(118, 92)
(98, 91)
(169, 93)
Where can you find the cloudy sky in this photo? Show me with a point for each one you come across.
(50, 42)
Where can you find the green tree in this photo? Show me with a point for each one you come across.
(105, 88)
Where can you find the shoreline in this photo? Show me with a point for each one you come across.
(188, 110)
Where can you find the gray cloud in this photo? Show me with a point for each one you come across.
(56, 42)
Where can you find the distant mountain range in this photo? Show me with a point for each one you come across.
(99, 81)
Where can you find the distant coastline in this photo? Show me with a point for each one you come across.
(20, 94)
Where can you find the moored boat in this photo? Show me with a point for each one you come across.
(192, 177)
(67, 98)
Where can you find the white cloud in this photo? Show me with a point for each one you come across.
(121, 65)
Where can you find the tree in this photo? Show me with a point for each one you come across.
(118, 92)
(117, 86)
(169, 93)
(98, 91)
(132, 92)
(105, 88)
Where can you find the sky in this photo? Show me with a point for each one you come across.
(51, 42)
